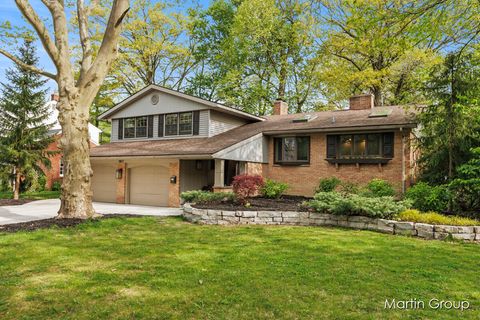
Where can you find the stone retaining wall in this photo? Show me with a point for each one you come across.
(421, 230)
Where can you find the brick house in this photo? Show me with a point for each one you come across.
(55, 172)
(165, 142)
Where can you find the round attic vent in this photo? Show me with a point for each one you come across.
(155, 99)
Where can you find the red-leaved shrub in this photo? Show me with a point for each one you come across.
(246, 186)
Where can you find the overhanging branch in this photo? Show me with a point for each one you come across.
(27, 66)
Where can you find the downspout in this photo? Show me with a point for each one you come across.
(403, 162)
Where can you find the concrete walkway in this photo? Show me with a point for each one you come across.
(44, 209)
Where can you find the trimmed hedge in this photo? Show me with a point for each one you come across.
(354, 204)
(199, 196)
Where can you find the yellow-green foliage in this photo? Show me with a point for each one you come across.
(432, 217)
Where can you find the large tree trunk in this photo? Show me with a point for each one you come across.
(76, 197)
(16, 188)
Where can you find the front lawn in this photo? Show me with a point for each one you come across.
(40, 195)
(144, 268)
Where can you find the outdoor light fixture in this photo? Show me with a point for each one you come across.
(118, 173)
(173, 179)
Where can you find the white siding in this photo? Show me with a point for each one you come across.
(202, 132)
(167, 104)
(220, 122)
(204, 123)
(254, 149)
(114, 133)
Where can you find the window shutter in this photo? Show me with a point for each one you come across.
(196, 122)
(388, 145)
(120, 129)
(150, 126)
(160, 124)
(331, 147)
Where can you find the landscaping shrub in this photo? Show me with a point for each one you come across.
(425, 197)
(246, 186)
(56, 186)
(328, 184)
(349, 187)
(434, 218)
(199, 196)
(273, 189)
(354, 204)
(379, 188)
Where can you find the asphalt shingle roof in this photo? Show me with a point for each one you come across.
(320, 121)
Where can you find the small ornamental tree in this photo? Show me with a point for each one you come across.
(246, 186)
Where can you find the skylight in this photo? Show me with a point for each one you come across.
(378, 112)
(304, 118)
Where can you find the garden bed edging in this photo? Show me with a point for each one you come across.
(421, 230)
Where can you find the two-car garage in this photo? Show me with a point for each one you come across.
(142, 184)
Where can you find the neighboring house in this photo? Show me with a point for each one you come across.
(55, 172)
(165, 142)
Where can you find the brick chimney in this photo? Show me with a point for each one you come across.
(54, 97)
(280, 108)
(362, 102)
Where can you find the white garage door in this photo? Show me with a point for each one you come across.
(104, 183)
(149, 186)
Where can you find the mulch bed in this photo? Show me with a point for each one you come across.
(59, 223)
(11, 202)
(285, 203)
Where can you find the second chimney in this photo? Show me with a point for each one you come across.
(362, 102)
(54, 97)
(280, 108)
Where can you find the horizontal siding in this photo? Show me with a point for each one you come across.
(204, 123)
(114, 134)
(203, 129)
(220, 122)
(167, 104)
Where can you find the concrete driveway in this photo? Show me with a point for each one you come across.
(43, 209)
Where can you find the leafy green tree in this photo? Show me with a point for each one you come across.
(23, 114)
(382, 47)
(466, 187)
(450, 125)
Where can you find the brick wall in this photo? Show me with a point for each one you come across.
(174, 188)
(52, 174)
(121, 183)
(304, 179)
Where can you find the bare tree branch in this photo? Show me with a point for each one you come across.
(109, 44)
(28, 12)
(27, 66)
(82, 15)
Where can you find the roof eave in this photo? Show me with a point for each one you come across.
(119, 106)
(342, 129)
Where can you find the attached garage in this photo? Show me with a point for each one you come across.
(104, 183)
(148, 185)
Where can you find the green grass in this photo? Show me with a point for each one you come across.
(148, 268)
(41, 195)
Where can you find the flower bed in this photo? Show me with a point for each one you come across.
(421, 230)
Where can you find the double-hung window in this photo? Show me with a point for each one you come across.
(135, 127)
(292, 150)
(179, 124)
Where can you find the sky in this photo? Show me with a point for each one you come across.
(9, 12)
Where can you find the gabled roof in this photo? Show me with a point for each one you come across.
(325, 121)
(214, 105)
